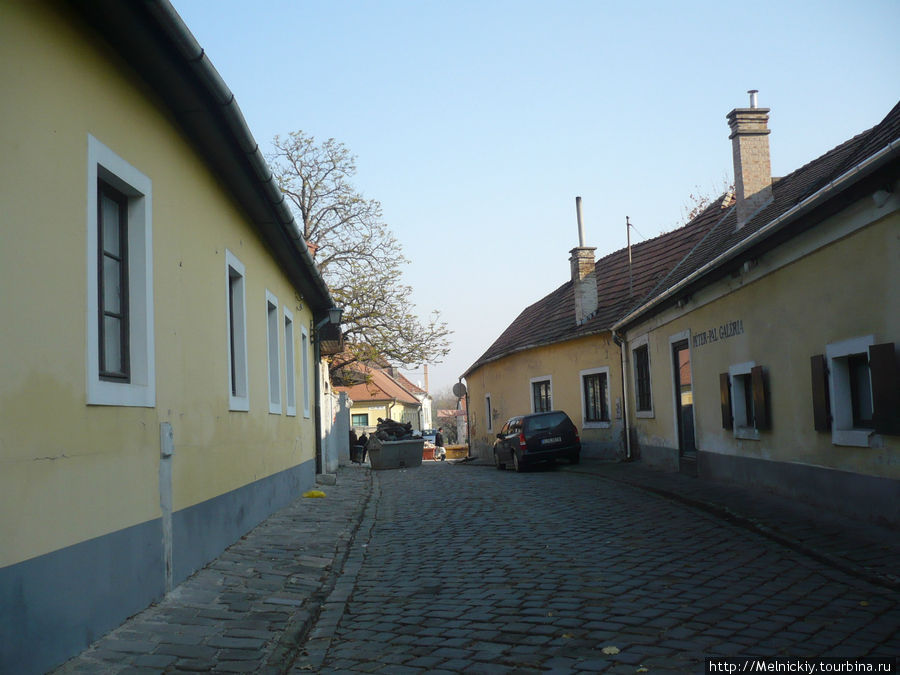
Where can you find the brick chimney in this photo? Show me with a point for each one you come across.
(750, 149)
(584, 279)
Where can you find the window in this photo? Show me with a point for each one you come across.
(595, 397)
(272, 353)
(643, 401)
(744, 400)
(541, 394)
(120, 340)
(487, 412)
(856, 391)
(290, 376)
(360, 419)
(236, 304)
(304, 368)
(112, 280)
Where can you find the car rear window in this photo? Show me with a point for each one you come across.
(544, 422)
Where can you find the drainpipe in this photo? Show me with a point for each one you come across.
(619, 341)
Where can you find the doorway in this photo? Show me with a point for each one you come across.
(684, 399)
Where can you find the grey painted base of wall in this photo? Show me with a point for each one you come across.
(602, 450)
(200, 533)
(54, 606)
(658, 457)
(868, 498)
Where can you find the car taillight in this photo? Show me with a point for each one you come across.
(522, 443)
(577, 437)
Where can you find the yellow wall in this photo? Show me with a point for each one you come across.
(69, 471)
(399, 412)
(508, 381)
(847, 288)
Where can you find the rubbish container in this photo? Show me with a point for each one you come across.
(358, 454)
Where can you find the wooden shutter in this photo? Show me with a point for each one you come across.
(725, 396)
(885, 388)
(760, 400)
(820, 399)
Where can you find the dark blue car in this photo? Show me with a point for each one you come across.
(540, 437)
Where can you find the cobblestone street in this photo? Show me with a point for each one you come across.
(467, 569)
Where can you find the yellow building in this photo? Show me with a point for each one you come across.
(560, 352)
(380, 393)
(770, 352)
(758, 343)
(158, 367)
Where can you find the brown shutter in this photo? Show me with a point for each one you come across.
(821, 402)
(725, 396)
(885, 388)
(760, 400)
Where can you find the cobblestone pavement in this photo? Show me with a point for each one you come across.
(467, 569)
(250, 609)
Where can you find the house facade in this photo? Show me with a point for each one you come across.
(376, 394)
(763, 352)
(772, 348)
(158, 374)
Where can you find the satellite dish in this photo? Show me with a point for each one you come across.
(459, 390)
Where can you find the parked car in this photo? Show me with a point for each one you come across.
(540, 437)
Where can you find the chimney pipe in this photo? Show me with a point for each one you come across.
(753, 93)
(580, 222)
(584, 278)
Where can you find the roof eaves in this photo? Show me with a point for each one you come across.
(152, 38)
(852, 175)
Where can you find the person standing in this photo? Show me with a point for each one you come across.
(439, 450)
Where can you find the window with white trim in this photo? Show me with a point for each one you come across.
(304, 368)
(744, 397)
(290, 377)
(487, 412)
(120, 362)
(236, 319)
(541, 394)
(643, 399)
(272, 353)
(595, 398)
(856, 390)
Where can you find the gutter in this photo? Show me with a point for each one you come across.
(865, 167)
(193, 54)
(151, 38)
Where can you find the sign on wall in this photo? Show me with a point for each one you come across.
(719, 333)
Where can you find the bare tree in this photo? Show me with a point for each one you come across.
(358, 255)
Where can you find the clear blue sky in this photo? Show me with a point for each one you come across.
(477, 123)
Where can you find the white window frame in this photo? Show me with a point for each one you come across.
(542, 378)
(741, 425)
(842, 431)
(643, 341)
(290, 367)
(490, 417)
(603, 370)
(239, 390)
(304, 369)
(273, 365)
(140, 391)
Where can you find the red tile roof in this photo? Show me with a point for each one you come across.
(665, 263)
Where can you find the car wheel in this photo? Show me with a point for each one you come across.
(517, 464)
(500, 465)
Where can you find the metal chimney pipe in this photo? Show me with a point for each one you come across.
(580, 223)
(753, 93)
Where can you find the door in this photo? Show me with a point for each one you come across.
(684, 397)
